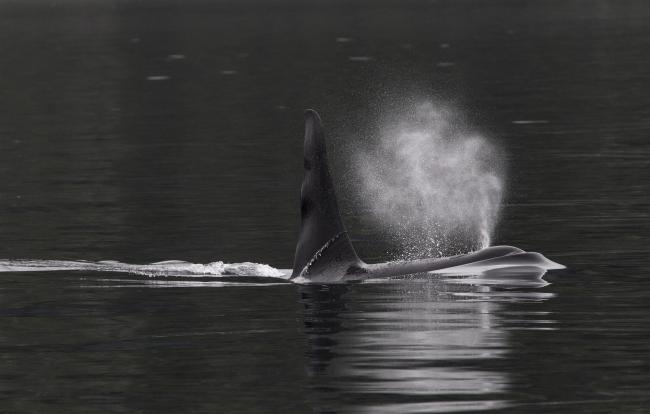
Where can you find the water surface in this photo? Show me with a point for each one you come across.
(165, 130)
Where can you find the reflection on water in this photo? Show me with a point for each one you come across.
(415, 346)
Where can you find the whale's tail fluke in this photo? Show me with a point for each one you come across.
(323, 244)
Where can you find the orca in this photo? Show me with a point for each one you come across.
(324, 251)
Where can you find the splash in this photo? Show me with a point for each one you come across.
(169, 268)
(433, 186)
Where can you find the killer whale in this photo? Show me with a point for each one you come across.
(325, 254)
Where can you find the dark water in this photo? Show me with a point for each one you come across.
(149, 130)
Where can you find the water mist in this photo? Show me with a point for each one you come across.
(433, 187)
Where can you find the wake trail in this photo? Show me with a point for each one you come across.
(168, 268)
(523, 269)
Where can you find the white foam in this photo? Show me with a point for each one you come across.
(170, 268)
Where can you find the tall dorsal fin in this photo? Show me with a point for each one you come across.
(324, 250)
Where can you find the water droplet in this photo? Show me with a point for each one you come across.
(158, 78)
(360, 58)
(530, 121)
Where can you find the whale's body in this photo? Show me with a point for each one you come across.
(324, 252)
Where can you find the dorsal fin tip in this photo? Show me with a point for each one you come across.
(312, 113)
